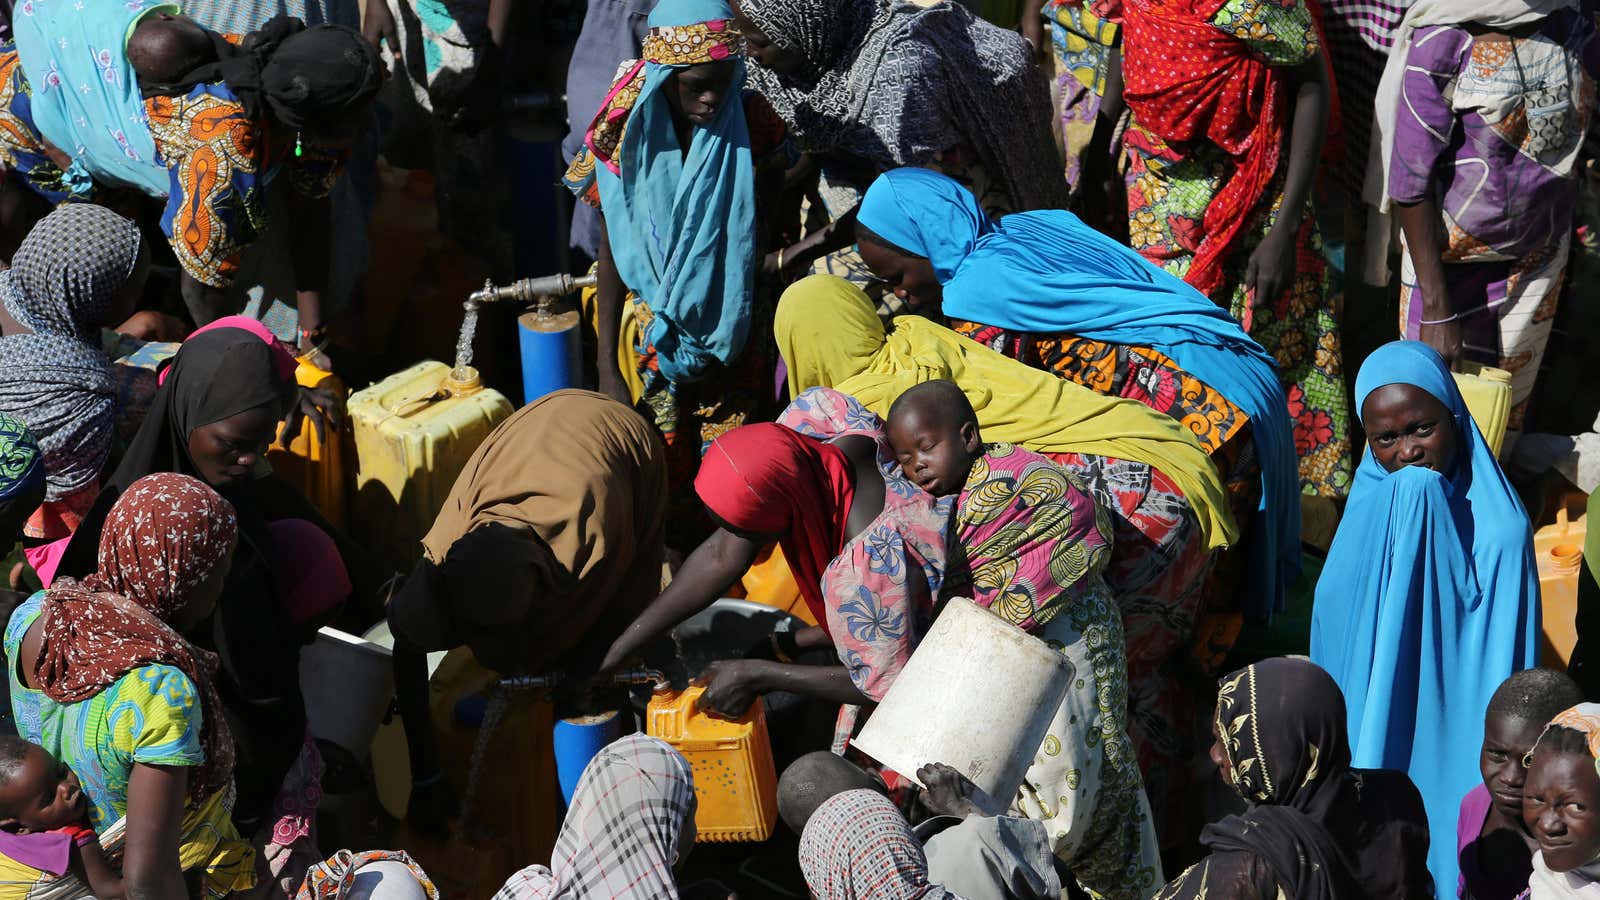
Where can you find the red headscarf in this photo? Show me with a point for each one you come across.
(1186, 80)
(163, 538)
(767, 479)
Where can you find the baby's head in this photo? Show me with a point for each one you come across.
(934, 432)
(1516, 715)
(37, 791)
(812, 780)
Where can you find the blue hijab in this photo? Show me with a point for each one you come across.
(86, 99)
(1047, 272)
(1428, 601)
(683, 227)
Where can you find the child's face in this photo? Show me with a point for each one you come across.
(1561, 807)
(43, 795)
(934, 451)
(1506, 741)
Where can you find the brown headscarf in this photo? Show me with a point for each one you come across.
(553, 531)
(164, 537)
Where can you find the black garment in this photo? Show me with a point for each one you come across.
(1316, 828)
(305, 77)
(216, 375)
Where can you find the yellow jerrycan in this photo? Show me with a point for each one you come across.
(414, 431)
(734, 777)
(1487, 391)
(320, 469)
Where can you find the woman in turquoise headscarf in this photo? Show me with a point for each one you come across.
(1118, 325)
(1430, 596)
(675, 160)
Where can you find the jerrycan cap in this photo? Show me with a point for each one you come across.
(461, 381)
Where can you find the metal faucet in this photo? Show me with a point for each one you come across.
(551, 679)
(529, 290)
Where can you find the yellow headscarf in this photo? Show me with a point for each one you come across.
(830, 336)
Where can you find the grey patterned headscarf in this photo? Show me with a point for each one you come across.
(57, 381)
(897, 81)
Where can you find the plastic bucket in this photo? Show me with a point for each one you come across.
(977, 695)
(349, 685)
(576, 743)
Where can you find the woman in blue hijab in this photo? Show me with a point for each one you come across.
(1430, 597)
(673, 161)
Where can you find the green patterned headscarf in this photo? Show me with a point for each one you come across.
(21, 467)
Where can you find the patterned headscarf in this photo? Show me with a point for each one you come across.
(857, 846)
(633, 808)
(21, 467)
(165, 536)
(895, 81)
(60, 285)
(1281, 723)
(1585, 719)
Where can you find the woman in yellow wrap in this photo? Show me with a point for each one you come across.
(1167, 503)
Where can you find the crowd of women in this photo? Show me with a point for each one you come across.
(1028, 304)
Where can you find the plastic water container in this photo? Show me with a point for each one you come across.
(770, 582)
(414, 431)
(734, 778)
(1558, 549)
(318, 468)
(936, 712)
(1487, 392)
(349, 686)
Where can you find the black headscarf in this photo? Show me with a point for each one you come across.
(218, 374)
(305, 77)
(1282, 725)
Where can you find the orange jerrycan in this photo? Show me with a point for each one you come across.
(317, 467)
(414, 431)
(734, 778)
(1558, 549)
(770, 582)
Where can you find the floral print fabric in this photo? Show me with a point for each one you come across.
(881, 588)
(1170, 189)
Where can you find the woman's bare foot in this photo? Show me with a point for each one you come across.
(949, 793)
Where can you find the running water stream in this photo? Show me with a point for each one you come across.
(469, 330)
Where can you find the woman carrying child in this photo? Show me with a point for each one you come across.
(87, 655)
(1166, 501)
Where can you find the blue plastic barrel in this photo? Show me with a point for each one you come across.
(576, 743)
(551, 354)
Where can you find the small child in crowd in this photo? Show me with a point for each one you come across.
(44, 830)
(1559, 799)
(1494, 847)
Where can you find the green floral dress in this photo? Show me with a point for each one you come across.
(1169, 189)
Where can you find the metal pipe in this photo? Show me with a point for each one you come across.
(527, 290)
(529, 682)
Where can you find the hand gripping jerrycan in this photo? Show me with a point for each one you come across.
(414, 431)
(734, 777)
(318, 467)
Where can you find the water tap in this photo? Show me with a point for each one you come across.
(653, 677)
(527, 290)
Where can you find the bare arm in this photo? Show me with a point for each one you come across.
(102, 879)
(1032, 28)
(206, 304)
(610, 293)
(310, 250)
(710, 570)
(837, 235)
(1420, 222)
(1271, 268)
(150, 867)
(732, 685)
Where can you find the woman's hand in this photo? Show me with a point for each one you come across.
(1271, 268)
(149, 325)
(378, 25)
(731, 686)
(949, 793)
(1445, 338)
(323, 408)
